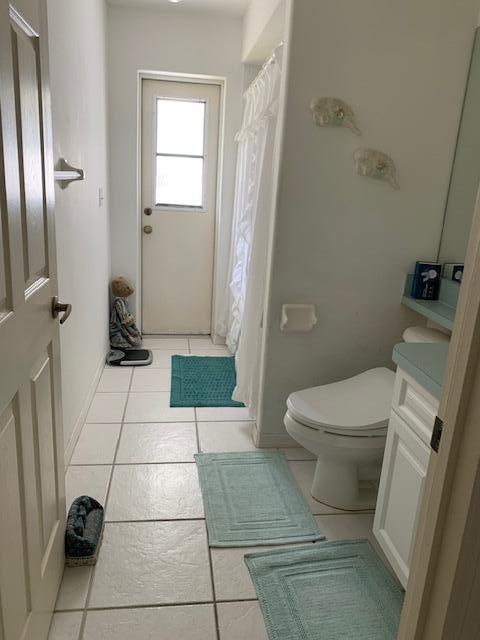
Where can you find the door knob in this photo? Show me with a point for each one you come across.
(59, 307)
(147, 229)
(147, 211)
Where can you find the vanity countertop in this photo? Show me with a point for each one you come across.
(425, 362)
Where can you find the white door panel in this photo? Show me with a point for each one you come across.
(32, 491)
(16, 605)
(178, 253)
(44, 447)
(400, 494)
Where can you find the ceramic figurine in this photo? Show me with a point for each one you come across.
(333, 112)
(370, 163)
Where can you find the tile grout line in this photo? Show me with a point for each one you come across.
(92, 575)
(157, 605)
(174, 421)
(133, 464)
(150, 520)
(215, 610)
(197, 435)
(209, 551)
(199, 519)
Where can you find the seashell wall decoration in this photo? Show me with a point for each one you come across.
(370, 163)
(334, 112)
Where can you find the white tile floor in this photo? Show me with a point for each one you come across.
(156, 576)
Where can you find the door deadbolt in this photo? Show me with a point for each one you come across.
(147, 211)
(147, 229)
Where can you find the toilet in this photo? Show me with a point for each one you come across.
(345, 425)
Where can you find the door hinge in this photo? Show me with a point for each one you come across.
(437, 434)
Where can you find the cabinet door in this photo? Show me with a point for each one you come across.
(400, 493)
(415, 405)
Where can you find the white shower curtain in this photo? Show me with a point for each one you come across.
(251, 223)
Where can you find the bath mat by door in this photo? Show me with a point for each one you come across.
(252, 498)
(327, 591)
(199, 381)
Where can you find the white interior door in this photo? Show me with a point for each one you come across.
(180, 129)
(32, 495)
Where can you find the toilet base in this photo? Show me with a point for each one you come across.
(337, 485)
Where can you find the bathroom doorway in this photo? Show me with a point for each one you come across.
(180, 140)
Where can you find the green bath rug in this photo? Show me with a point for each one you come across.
(327, 591)
(252, 498)
(203, 382)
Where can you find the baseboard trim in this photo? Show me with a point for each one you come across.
(83, 413)
(272, 440)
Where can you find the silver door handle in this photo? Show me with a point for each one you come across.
(60, 307)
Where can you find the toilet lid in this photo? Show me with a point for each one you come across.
(361, 403)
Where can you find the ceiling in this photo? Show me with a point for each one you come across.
(231, 7)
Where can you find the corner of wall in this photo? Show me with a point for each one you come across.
(77, 40)
(263, 28)
(79, 422)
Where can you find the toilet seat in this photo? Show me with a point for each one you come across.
(356, 407)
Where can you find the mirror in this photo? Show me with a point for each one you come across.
(465, 178)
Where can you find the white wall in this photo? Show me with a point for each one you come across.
(263, 27)
(77, 78)
(149, 39)
(250, 72)
(343, 242)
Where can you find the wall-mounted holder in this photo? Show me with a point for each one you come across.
(333, 112)
(298, 317)
(65, 173)
(370, 163)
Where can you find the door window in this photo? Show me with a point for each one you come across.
(180, 153)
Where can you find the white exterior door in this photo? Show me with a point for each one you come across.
(180, 129)
(32, 495)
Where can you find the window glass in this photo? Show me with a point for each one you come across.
(180, 127)
(179, 181)
(179, 163)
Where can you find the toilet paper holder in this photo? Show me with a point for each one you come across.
(298, 317)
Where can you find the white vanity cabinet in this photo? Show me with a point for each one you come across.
(404, 470)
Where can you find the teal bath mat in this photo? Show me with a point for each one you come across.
(203, 382)
(326, 591)
(252, 498)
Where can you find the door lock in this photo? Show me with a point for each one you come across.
(147, 211)
(60, 307)
(147, 229)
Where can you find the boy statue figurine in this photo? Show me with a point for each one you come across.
(124, 333)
